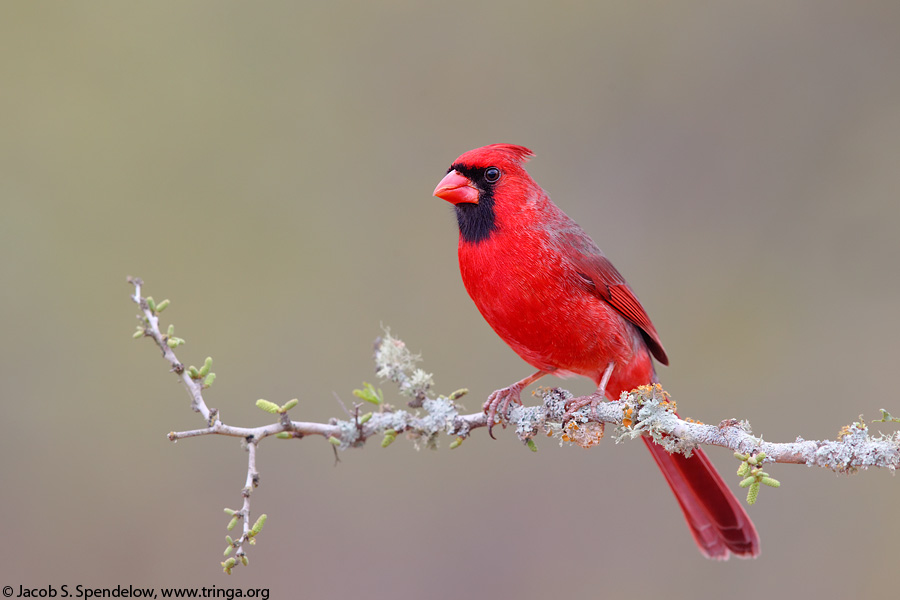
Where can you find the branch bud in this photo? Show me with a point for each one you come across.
(228, 565)
(207, 365)
(269, 407)
(257, 527)
(458, 394)
(389, 436)
(752, 493)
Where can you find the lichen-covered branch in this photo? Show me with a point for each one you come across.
(647, 410)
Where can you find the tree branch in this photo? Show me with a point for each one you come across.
(647, 410)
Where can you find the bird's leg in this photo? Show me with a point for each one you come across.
(500, 400)
(593, 399)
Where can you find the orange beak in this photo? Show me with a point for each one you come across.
(456, 189)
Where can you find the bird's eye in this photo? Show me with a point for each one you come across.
(491, 174)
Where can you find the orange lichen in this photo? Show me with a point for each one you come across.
(845, 431)
(653, 389)
(583, 434)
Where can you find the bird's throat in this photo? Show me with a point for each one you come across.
(476, 221)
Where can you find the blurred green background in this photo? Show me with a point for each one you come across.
(269, 167)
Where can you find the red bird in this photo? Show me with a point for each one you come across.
(549, 292)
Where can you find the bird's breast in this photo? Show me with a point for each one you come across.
(531, 296)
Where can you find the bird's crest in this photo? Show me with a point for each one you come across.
(496, 154)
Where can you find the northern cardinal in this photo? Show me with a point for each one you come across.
(549, 292)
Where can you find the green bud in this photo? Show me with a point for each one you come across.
(289, 405)
(458, 394)
(139, 333)
(744, 469)
(171, 330)
(193, 372)
(365, 418)
(747, 482)
(334, 441)
(257, 527)
(760, 457)
(229, 564)
(269, 407)
(151, 303)
(229, 540)
(531, 445)
(204, 370)
(771, 482)
(283, 435)
(752, 493)
(232, 522)
(389, 436)
(162, 305)
(740, 456)
(228, 550)
(456, 443)
(209, 380)
(244, 560)
(230, 512)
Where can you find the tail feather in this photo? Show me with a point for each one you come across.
(717, 520)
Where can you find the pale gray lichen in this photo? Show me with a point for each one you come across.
(857, 450)
(349, 434)
(651, 414)
(528, 420)
(440, 414)
(419, 383)
(394, 361)
(555, 400)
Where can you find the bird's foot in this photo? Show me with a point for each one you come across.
(594, 399)
(499, 401)
(576, 404)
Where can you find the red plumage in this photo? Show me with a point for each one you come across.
(549, 292)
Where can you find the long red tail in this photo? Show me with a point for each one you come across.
(717, 520)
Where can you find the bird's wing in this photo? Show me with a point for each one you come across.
(601, 278)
